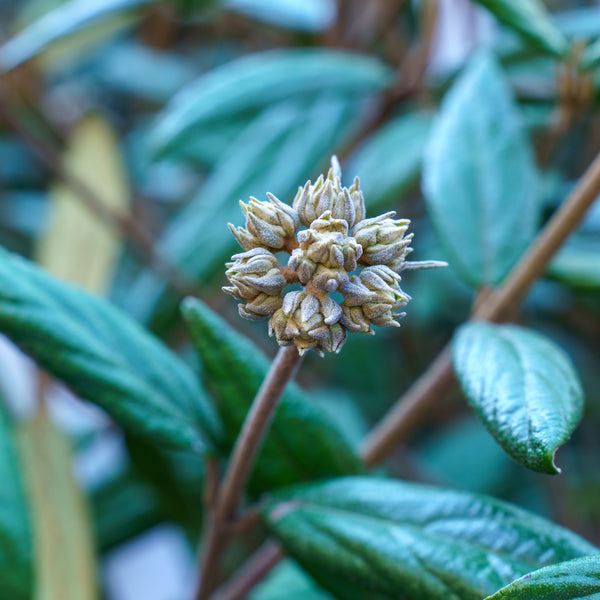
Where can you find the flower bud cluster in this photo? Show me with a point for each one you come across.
(329, 239)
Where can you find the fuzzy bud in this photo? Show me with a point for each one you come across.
(264, 305)
(253, 273)
(308, 321)
(372, 298)
(328, 194)
(325, 248)
(268, 224)
(383, 240)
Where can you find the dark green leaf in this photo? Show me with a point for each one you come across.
(288, 581)
(66, 19)
(103, 356)
(531, 20)
(16, 545)
(249, 84)
(479, 176)
(366, 538)
(523, 387)
(302, 443)
(577, 579)
(123, 507)
(390, 161)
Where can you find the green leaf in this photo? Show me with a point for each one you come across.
(577, 265)
(531, 19)
(480, 178)
(302, 443)
(16, 544)
(67, 19)
(367, 538)
(254, 82)
(389, 162)
(571, 580)
(288, 581)
(523, 387)
(278, 151)
(103, 356)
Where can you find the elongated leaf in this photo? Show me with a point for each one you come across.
(577, 265)
(390, 161)
(591, 56)
(77, 246)
(366, 538)
(278, 151)
(103, 356)
(531, 20)
(577, 579)
(522, 386)
(302, 443)
(64, 547)
(479, 176)
(16, 546)
(251, 83)
(66, 19)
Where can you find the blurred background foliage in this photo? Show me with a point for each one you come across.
(129, 130)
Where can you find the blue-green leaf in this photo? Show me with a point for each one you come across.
(249, 84)
(66, 19)
(480, 178)
(368, 538)
(103, 356)
(523, 387)
(531, 19)
(577, 579)
(303, 443)
(16, 543)
(389, 162)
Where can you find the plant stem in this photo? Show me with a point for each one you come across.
(252, 572)
(409, 410)
(242, 458)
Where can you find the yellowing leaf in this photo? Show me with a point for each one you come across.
(78, 246)
(64, 548)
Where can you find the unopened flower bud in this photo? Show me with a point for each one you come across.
(372, 298)
(253, 273)
(328, 194)
(268, 224)
(264, 305)
(383, 240)
(325, 248)
(308, 321)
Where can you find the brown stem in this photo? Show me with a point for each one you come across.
(408, 412)
(244, 452)
(140, 239)
(252, 572)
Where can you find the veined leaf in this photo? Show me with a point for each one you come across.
(103, 356)
(77, 246)
(479, 177)
(276, 153)
(577, 579)
(302, 443)
(249, 84)
(390, 161)
(66, 19)
(64, 547)
(366, 538)
(16, 546)
(523, 387)
(531, 20)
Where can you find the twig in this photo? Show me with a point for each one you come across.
(132, 231)
(408, 412)
(246, 447)
(252, 572)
